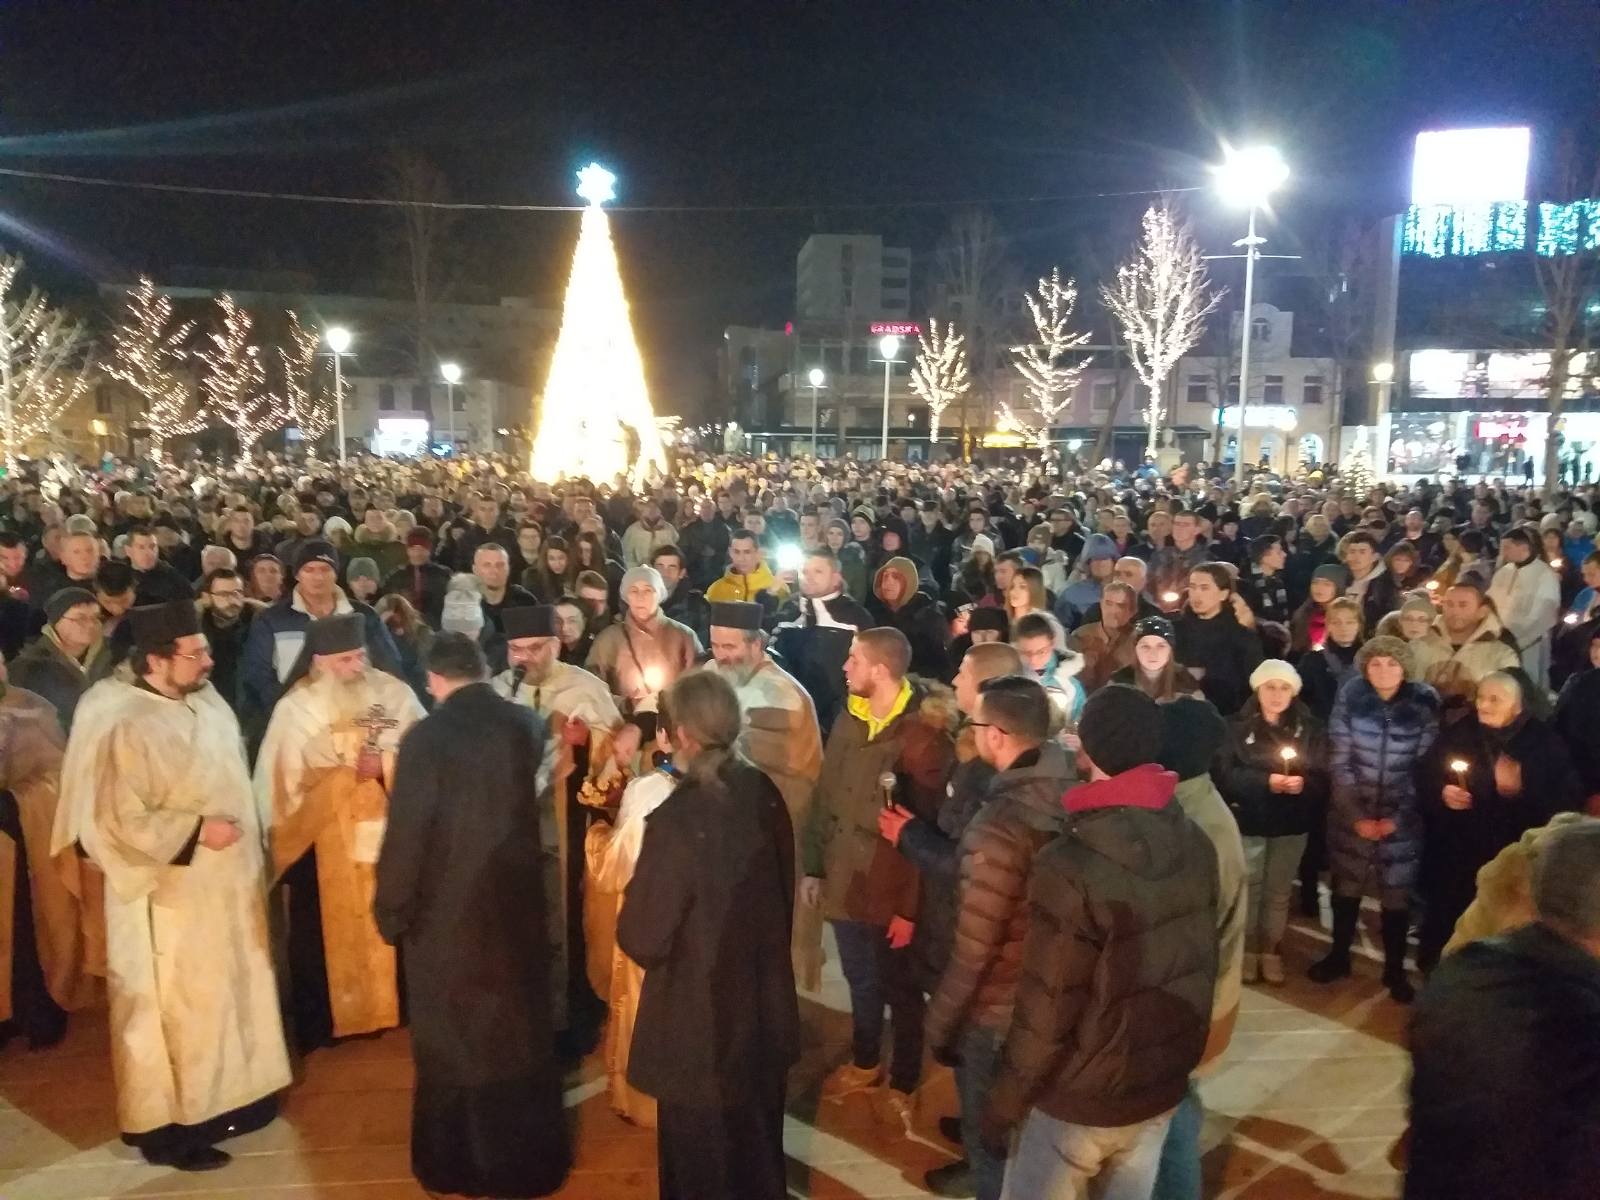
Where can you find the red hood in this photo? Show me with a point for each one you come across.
(1148, 786)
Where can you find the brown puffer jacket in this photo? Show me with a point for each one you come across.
(1022, 815)
(1119, 963)
(864, 877)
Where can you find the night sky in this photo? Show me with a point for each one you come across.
(911, 109)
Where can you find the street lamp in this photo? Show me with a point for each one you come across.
(816, 378)
(337, 338)
(1383, 392)
(889, 347)
(451, 372)
(1248, 177)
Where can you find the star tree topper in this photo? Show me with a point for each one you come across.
(596, 185)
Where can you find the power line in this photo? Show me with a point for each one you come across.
(488, 206)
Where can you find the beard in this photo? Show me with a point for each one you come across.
(197, 684)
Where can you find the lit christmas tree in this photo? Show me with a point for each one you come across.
(596, 419)
(1355, 472)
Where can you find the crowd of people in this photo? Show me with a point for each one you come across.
(291, 753)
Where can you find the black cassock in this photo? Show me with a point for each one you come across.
(461, 892)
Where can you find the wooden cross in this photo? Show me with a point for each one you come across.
(374, 723)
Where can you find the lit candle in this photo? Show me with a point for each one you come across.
(1289, 754)
(1558, 563)
(1432, 585)
(1170, 597)
(1571, 618)
(1459, 766)
(654, 678)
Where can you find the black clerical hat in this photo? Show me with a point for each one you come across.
(735, 614)
(336, 634)
(530, 621)
(162, 624)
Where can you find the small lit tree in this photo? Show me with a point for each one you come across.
(940, 374)
(1048, 382)
(234, 379)
(45, 362)
(307, 399)
(1161, 301)
(147, 355)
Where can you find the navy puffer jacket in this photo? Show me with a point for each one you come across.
(1374, 748)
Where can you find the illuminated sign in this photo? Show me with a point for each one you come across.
(1262, 416)
(1501, 429)
(1464, 167)
(897, 328)
(401, 435)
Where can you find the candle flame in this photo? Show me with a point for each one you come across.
(1459, 766)
(1288, 753)
(1432, 585)
(1170, 597)
(1571, 618)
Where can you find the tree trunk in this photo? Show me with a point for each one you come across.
(1560, 367)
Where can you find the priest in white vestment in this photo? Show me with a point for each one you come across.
(579, 709)
(155, 789)
(780, 737)
(322, 783)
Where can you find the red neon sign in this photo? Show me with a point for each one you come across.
(895, 328)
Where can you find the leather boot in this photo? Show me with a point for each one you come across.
(1396, 924)
(1336, 964)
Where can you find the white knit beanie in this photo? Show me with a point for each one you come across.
(1275, 668)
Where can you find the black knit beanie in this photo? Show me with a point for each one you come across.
(1120, 729)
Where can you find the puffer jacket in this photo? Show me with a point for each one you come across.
(1253, 750)
(1023, 814)
(865, 878)
(1373, 752)
(933, 848)
(1119, 962)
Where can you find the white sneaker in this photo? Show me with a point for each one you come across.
(1272, 969)
(1252, 968)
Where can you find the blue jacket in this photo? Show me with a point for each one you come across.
(276, 637)
(1374, 750)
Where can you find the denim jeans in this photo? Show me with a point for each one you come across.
(979, 1051)
(879, 976)
(1271, 864)
(1053, 1160)
(1179, 1176)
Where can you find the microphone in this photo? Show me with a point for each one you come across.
(517, 676)
(886, 782)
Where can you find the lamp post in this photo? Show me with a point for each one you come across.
(1248, 177)
(816, 378)
(451, 372)
(337, 339)
(1383, 389)
(889, 347)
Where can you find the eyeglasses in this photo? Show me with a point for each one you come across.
(195, 657)
(233, 595)
(989, 725)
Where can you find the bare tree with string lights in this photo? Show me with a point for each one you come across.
(939, 375)
(45, 362)
(307, 398)
(1048, 380)
(233, 384)
(148, 353)
(1161, 300)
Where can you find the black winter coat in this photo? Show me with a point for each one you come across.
(1253, 750)
(1227, 652)
(923, 622)
(1577, 720)
(932, 847)
(1505, 1084)
(1458, 843)
(1324, 671)
(707, 915)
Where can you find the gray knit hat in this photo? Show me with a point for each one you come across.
(1384, 647)
(643, 574)
(64, 600)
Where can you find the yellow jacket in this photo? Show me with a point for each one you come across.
(746, 587)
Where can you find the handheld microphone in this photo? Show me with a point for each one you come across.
(517, 676)
(886, 782)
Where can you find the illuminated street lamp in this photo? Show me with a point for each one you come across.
(1248, 177)
(451, 373)
(817, 378)
(337, 338)
(889, 347)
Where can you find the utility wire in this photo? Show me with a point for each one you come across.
(485, 206)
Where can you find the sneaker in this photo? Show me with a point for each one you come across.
(1326, 970)
(899, 1108)
(1252, 968)
(1272, 969)
(953, 1179)
(850, 1079)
